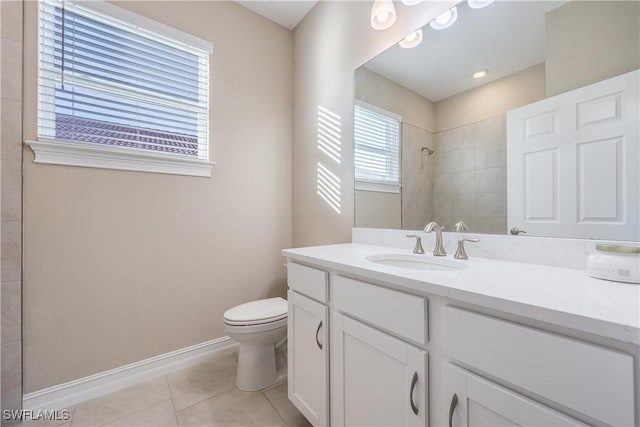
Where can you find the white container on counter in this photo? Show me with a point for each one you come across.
(620, 263)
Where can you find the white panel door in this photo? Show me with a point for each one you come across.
(378, 380)
(308, 358)
(474, 402)
(573, 162)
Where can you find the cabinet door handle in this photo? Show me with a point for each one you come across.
(414, 381)
(452, 408)
(317, 332)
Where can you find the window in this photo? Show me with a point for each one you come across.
(377, 148)
(118, 90)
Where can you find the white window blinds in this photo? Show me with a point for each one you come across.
(377, 145)
(109, 81)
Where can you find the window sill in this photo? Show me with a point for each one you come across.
(378, 187)
(97, 156)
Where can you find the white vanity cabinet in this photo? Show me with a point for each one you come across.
(378, 376)
(576, 376)
(377, 380)
(379, 349)
(308, 343)
(475, 401)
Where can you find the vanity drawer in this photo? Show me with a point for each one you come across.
(589, 379)
(401, 314)
(308, 281)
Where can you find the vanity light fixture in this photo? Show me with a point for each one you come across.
(411, 2)
(412, 40)
(478, 4)
(445, 20)
(383, 14)
(480, 73)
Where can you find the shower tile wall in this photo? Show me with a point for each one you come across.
(470, 176)
(417, 178)
(11, 203)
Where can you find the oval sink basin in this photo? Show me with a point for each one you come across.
(417, 262)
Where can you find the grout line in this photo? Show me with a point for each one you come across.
(134, 413)
(173, 404)
(207, 398)
(274, 407)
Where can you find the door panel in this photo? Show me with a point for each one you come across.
(308, 361)
(572, 163)
(375, 378)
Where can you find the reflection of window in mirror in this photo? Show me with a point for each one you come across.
(377, 161)
(377, 156)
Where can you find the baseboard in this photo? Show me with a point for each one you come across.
(71, 393)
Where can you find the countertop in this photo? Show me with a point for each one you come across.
(563, 296)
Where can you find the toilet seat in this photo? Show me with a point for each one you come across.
(258, 312)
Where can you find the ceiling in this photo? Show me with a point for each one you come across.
(287, 13)
(505, 37)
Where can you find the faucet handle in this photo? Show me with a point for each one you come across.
(461, 253)
(418, 248)
(461, 226)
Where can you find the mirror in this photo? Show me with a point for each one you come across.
(452, 161)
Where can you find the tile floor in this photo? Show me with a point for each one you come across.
(202, 395)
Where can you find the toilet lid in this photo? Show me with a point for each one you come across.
(256, 312)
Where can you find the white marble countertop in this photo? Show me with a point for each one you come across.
(562, 296)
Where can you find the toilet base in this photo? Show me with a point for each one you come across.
(256, 366)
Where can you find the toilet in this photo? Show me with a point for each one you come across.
(260, 327)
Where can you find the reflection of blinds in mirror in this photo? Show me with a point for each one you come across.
(377, 145)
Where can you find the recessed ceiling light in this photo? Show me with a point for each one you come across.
(383, 14)
(480, 73)
(478, 4)
(412, 40)
(445, 20)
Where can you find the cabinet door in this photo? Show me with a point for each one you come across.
(308, 358)
(377, 380)
(474, 401)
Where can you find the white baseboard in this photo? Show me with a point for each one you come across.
(67, 394)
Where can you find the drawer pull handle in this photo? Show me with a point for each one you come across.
(414, 381)
(317, 332)
(452, 408)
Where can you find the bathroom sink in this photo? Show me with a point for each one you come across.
(417, 262)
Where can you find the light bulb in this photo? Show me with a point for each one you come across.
(480, 73)
(478, 4)
(411, 2)
(383, 14)
(412, 40)
(382, 17)
(445, 20)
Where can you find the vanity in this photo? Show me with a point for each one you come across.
(380, 336)
(521, 120)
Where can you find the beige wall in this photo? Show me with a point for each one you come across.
(330, 43)
(377, 209)
(588, 41)
(121, 266)
(492, 99)
(377, 90)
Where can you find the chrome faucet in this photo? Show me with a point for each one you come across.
(461, 226)
(439, 249)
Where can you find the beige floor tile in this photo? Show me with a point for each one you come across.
(120, 404)
(233, 408)
(161, 415)
(289, 414)
(203, 381)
